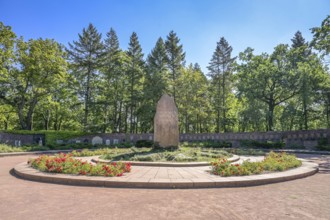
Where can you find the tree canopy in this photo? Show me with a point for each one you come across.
(95, 85)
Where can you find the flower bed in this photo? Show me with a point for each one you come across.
(65, 163)
(272, 162)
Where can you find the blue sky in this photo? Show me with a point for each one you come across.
(260, 24)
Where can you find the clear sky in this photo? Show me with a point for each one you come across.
(260, 24)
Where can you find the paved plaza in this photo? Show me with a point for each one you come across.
(306, 198)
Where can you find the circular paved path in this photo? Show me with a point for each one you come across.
(306, 198)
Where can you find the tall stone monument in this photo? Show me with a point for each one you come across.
(166, 123)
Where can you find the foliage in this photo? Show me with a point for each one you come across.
(221, 74)
(175, 60)
(97, 86)
(245, 151)
(272, 162)
(86, 56)
(321, 36)
(192, 86)
(9, 149)
(207, 144)
(42, 69)
(257, 144)
(144, 143)
(135, 77)
(183, 154)
(323, 144)
(66, 164)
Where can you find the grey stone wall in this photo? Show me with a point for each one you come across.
(308, 139)
(21, 139)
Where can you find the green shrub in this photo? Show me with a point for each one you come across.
(148, 157)
(179, 155)
(257, 144)
(9, 149)
(245, 151)
(4, 148)
(215, 144)
(323, 144)
(144, 143)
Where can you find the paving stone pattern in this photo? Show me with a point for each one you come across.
(306, 198)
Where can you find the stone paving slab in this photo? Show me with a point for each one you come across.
(167, 177)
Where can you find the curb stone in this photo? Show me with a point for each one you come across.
(24, 171)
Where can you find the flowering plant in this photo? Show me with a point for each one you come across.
(272, 162)
(65, 163)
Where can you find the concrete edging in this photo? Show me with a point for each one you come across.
(24, 171)
(65, 151)
(165, 164)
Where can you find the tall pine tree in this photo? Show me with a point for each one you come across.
(300, 54)
(155, 84)
(136, 71)
(220, 68)
(86, 56)
(176, 59)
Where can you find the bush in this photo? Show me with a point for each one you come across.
(144, 143)
(323, 144)
(257, 144)
(216, 144)
(8, 149)
(65, 163)
(272, 162)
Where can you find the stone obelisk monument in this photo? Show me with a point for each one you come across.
(166, 123)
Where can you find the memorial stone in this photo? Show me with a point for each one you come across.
(166, 123)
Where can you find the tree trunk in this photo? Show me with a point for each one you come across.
(6, 125)
(224, 100)
(46, 120)
(305, 116)
(119, 122)
(56, 119)
(271, 106)
(87, 98)
(125, 118)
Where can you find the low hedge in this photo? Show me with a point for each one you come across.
(258, 144)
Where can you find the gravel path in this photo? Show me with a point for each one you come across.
(307, 198)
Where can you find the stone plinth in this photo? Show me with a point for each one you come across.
(166, 123)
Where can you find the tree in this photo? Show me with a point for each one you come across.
(300, 53)
(268, 79)
(135, 76)
(7, 56)
(192, 100)
(42, 67)
(175, 59)
(321, 37)
(86, 56)
(220, 68)
(113, 83)
(155, 84)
